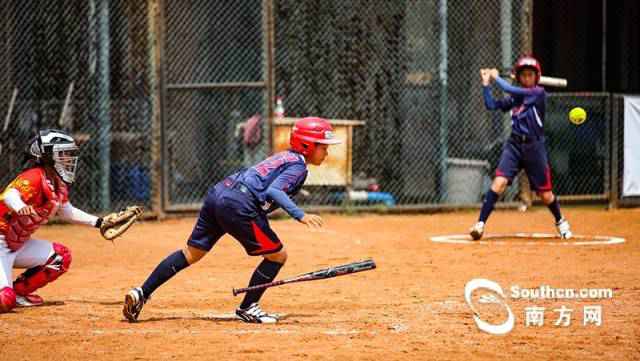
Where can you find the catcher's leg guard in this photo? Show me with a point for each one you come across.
(7, 299)
(39, 276)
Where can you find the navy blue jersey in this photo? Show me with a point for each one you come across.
(527, 106)
(274, 180)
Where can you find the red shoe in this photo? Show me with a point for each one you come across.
(29, 301)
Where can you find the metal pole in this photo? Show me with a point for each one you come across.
(506, 51)
(7, 120)
(604, 45)
(268, 72)
(62, 122)
(444, 126)
(505, 33)
(213, 86)
(4, 138)
(613, 149)
(527, 26)
(608, 132)
(103, 103)
(155, 98)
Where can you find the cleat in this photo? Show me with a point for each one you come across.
(133, 302)
(29, 301)
(254, 314)
(564, 229)
(477, 230)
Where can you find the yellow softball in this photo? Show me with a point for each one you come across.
(577, 116)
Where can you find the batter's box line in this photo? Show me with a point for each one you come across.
(529, 239)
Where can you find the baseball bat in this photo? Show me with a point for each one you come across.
(549, 81)
(315, 275)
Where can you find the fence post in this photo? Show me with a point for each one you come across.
(506, 52)
(604, 45)
(608, 135)
(444, 124)
(268, 73)
(154, 58)
(102, 101)
(505, 33)
(613, 150)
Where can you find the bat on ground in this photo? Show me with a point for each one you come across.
(316, 275)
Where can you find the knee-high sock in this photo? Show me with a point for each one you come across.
(488, 204)
(264, 273)
(554, 207)
(168, 268)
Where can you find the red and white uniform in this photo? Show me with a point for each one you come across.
(48, 197)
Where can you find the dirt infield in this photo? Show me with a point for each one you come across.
(411, 307)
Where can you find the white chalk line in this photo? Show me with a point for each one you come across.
(538, 239)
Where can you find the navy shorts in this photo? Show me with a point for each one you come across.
(230, 208)
(530, 156)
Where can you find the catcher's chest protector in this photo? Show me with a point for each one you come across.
(45, 200)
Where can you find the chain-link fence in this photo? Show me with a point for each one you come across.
(95, 53)
(579, 154)
(167, 97)
(621, 152)
(214, 73)
(409, 69)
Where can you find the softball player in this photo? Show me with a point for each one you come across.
(525, 148)
(239, 205)
(37, 194)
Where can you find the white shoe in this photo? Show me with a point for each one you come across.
(564, 229)
(133, 302)
(254, 314)
(29, 301)
(477, 230)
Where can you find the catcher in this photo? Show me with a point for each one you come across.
(239, 205)
(29, 201)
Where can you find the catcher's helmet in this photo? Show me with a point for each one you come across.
(307, 132)
(56, 148)
(530, 62)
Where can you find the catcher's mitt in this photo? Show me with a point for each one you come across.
(115, 224)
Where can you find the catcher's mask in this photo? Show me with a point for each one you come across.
(56, 148)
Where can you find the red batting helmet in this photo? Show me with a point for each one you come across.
(307, 132)
(530, 62)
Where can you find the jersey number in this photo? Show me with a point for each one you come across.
(265, 167)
